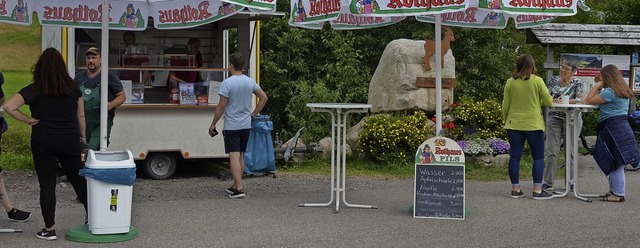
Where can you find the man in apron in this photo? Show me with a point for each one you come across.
(89, 83)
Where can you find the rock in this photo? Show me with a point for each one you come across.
(326, 147)
(485, 159)
(501, 160)
(354, 132)
(393, 85)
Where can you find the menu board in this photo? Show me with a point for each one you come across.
(439, 180)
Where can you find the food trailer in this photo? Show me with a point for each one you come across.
(156, 127)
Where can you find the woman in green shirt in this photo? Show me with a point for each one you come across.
(524, 96)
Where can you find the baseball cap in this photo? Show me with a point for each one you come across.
(93, 50)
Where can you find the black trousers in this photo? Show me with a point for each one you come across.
(47, 153)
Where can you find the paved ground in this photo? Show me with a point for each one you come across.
(202, 216)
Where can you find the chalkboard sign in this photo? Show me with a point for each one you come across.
(439, 180)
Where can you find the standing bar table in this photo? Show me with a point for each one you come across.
(339, 113)
(572, 112)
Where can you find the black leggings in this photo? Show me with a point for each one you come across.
(47, 153)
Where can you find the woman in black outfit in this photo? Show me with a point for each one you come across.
(57, 128)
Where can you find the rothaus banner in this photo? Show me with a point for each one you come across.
(124, 15)
(531, 7)
(347, 21)
(185, 14)
(316, 11)
(405, 7)
(268, 5)
(313, 12)
(474, 17)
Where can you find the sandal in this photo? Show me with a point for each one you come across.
(613, 198)
(607, 194)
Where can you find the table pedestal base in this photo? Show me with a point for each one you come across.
(572, 112)
(338, 151)
(576, 194)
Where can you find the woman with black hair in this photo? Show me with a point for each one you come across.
(57, 130)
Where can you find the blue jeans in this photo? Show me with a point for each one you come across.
(617, 181)
(536, 142)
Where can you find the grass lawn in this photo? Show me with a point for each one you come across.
(16, 150)
(21, 46)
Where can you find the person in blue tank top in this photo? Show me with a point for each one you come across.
(235, 104)
(616, 144)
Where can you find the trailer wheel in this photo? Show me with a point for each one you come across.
(160, 166)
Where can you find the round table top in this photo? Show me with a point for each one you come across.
(571, 105)
(340, 105)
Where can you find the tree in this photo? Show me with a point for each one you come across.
(300, 66)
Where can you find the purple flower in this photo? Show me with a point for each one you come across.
(499, 146)
(470, 130)
(462, 144)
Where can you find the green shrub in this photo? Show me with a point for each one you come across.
(481, 119)
(390, 138)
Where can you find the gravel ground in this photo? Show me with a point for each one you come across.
(192, 181)
(192, 210)
(205, 180)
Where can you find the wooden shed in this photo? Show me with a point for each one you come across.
(580, 34)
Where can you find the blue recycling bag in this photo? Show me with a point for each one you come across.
(122, 176)
(259, 156)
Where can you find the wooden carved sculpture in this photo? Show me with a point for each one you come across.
(430, 48)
